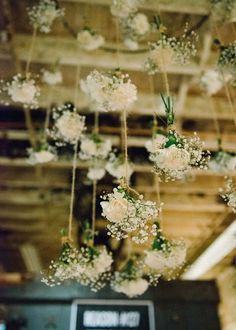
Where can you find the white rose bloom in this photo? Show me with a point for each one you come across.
(232, 200)
(70, 126)
(123, 8)
(123, 96)
(89, 41)
(212, 81)
(88, 148)
(132, 288)
(118, 170)
(116, 209)
(52, 77)
(23, 92)
(172, 158)
(95, 173)
(140, 24)
(49, 15)
(103, 262)
(131, 44)
(156, 143)
(156, 260)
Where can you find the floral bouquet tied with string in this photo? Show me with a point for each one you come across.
(89, 40)
(43, 15)
(43, 153)
(128, 214)
(110, 91)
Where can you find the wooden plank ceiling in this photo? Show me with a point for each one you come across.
(34, 202)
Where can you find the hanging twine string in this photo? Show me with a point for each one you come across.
(125, 146)
(48, 112)
(77, 78)
(215, 121)
(158, 198)
(72, 191)
(30, 54)
(117, 43)
(155, 121)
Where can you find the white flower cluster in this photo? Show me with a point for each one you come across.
(93, 146)
(68, 126)
(90, 266)
(171, 50)
(221, 10)
(227, 60)
(117, 168)
(130, 281)
(94, 266)
(89, 40)
(229, 194)
(124, 8)
(44, 153)
(128, 214)
(95, 149)
(222, 162)
(23, 90)
(173, 155)
(212, 81)
(165, 257)
(133, 28)
(52, 77)
(43, 15)
(110, 91)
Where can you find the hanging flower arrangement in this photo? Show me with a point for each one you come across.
(128, 214)
(170, 50)
(130, 280)
(222, 162)
(44, 14)
(52, 77)
(43, 153)
(23, 90)
(96, 172)
(93, 268)
(93, 146)
(111, 91)
(229, 194)
(133, 29)
(165, 256)
(68, 126)
(89, 40)
(211, 81)
(221, 10)
(227, 59)
(116, 167)
(174, 155)
(124, 8)
(61, 269)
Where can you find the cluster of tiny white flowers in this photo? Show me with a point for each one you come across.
(174, 155)
(229, 194)
(227, 59)
(93, 146)
(222, 162)
(61, 269)
(128, 214)
(89, 40)
(116, 167)
(68, 126)
(43, 15)
(94, 267)
(90, 266)
(221, 10)
(171, 50)
(211, 81)
(130, 280)
(124, 8)
(22, 90)
(111, 91)
(133, 28)
(51, 77)
(164, 258)
(44, 153)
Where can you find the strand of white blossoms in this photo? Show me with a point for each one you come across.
(95, 150)
(116, 167)
(130, 280)
(90, 266)
(109, 91)
(43, 15)
(68, 126)
(229, 194)
(129, 214)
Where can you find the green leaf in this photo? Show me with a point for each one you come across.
(168, 103)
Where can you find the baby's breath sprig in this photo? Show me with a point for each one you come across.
(228, 193)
